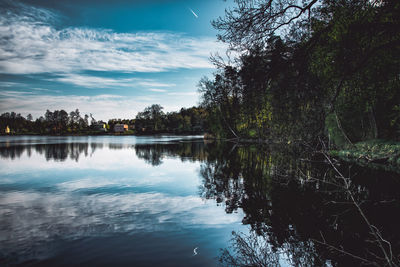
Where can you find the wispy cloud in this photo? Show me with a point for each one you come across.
(44, 90)
(183, 93)
(94, 81)
(157, 90)
(155, 84)
(36, 46)
(8, 84)
(104, 106)
(10, 93)
(90, 81)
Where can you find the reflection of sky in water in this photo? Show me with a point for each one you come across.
(105, 167)
(107, 140)
(29, 217)
(106, 192)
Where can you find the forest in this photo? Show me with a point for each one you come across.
(152, 120)
(306, 71)
(52, 122)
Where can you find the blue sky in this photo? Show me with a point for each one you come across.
(108, 58)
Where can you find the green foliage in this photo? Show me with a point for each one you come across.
(53, 122)
(377, 153)
(334, 134)
(187, 121)
(57, 122)
(151, 121)
(335, 72)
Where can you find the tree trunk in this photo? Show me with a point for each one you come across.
(341, 129)
(373, 123)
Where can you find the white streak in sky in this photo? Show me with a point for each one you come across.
(194, 14)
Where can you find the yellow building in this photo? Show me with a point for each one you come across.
(7, 131)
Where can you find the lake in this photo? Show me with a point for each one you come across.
(181, 201)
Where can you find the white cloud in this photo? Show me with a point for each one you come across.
(183, 93)
(32, 44)
(104, 107)
(101, 106)
(36, 46)
(39, 89)
(94, 81)
(155, 84)
(157, 90)
(10, 93)
(90, 81)
(8, 84)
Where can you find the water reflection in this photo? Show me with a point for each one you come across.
(58, 197)
(186, 151)
(151, 153)
(300, 208)
(57, 152)
(42, 217)
(293, 204)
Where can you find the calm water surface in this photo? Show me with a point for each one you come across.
(175, 201)
(106, 200)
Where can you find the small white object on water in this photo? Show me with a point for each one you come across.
(195, 251)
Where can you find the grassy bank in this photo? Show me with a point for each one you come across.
(378, 154)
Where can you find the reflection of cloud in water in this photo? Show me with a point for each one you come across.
(28, 218)
(75, 191)
(118, 182)
(102, 159)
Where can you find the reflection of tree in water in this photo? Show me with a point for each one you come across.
(116, 146)
(56, 152)
(151, 153)
(60, 152)
(250, 250)
(295, 213)
(12, 152)
(230, 169)
(222, 178)
(290, 213)
(255, 250)
(186, 151)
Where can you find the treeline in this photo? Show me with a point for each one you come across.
(306, 70)
(152, 120)
(52, 122)
(186, 121)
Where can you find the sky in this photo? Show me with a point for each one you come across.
(108, 58)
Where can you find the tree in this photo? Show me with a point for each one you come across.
(93, 120)
(301, 63)
(74, 118)
(151, 118)
(253, 22)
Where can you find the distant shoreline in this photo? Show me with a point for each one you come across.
(105, 134)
